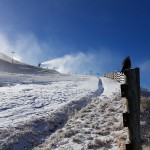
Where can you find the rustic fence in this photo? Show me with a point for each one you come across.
(131, 91)
(131, 119)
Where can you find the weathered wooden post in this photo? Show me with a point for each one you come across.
(131, 119)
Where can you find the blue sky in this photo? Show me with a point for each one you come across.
(86, 35)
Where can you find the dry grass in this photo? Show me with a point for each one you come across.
(121, 143)
(99, 143)
(78, 138)
(70, 133)
(145, 121)
(96, 126)
(146, 147)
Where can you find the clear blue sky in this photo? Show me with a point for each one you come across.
(50, 29)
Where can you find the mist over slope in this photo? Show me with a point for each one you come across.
(8, 59)
(17, 67)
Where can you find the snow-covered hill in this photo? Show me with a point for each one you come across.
(33, 108)
(42, 109)
(96, 126)
(8, 59)
(17, 67)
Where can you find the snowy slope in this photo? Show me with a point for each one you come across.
(23, 102)
(17, 67)
(8, 59)
(61, 112)
(37, 105)
(43, 109)
(97, 126)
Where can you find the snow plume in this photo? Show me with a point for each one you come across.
(85, 63)
(70, 63)
(26, 47)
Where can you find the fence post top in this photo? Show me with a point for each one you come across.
(131, 69)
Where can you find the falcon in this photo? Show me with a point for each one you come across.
(126, 64)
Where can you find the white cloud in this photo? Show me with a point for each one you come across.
(27, 48)
(5, 46)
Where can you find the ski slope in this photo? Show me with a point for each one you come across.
(34, 112)
(43, 109)
(28, 99)
(96, 126)
(23, 102)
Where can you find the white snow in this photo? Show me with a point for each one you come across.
(42, 109)
(31, 104)
(97, 126)
(23, 102)
(110, 87)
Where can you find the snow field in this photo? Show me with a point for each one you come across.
(32, 110)
(96, 126)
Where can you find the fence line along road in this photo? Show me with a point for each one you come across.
(116, 76)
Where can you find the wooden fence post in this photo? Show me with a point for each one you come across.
(131, 119)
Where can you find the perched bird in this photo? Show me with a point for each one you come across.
(126, 64)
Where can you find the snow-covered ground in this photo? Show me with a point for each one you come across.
(43, 109)
(23, 102)
(60, 112)
(28, 99)
(96, 126)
